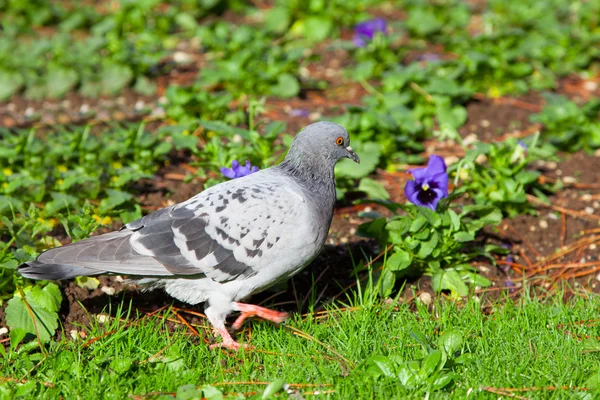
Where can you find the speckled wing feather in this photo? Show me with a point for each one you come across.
(228, 231)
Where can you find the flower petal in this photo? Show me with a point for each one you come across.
(411, 191)
(440, 182)
(358, 40)
(420, 174)
(435, 165)
(228, 173)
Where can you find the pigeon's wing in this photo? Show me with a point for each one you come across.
(225, 232)
(228, 232)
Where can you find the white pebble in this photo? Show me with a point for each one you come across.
(102, 318)
(553, 216)
(592, 246)
(543, 224)
(589, 210)
(485, 123)
(3, 331)
(586, 197)
(108, 290)
(425, 298)
(182, 58)
(569, 180)
(590, 86)
(139, 104)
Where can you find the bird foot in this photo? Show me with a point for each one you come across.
(249, 310)
(228, 342)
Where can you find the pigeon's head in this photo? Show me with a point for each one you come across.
(323, 142)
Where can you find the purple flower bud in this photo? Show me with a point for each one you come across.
(365, 31)
(430, 184)
(237, 170)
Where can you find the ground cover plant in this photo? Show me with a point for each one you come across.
(462, 259)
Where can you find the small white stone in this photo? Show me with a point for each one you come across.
(590, 86)
(553, 216)
(182, 58)
(595, 204)
(451, 160)
(481, 159)
(592, 246)
(344, 240)
(532, 228)
(589, 210)
(3, 331)
(29, 111)
(74, 334)
(586, 197)
(102, 318)
(598, 276)
(569, 180)
(485, 123)
(368, 209)
(84, 109)
(484, 269)
(237, 138)
(352, 231)
(425, 298)
(139, 104)
(543, 224)
(162, 100)
(119, 278)
(470, 139)
(551, 165)
(108, 290)
(314, 116)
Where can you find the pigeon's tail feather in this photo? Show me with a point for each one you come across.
(52, 272)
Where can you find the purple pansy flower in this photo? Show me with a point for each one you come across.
(365, 31)
(237, 170)
(430, 184)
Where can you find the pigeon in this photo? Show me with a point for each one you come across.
(226, 243)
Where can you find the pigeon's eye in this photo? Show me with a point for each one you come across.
(339, 141)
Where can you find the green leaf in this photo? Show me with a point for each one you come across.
(369, 154)
(381, 365)
(431, 216)
(44, 303)
(399, 260)
(462, 236)
(373, 189)
(317, 28)
(449, 280)
(273, 388)
(287, 86)
(278, 19)
(10, 83)
(115, 77)
(428, 246)
(60, 80)
(451, 341)
(430, 364)
(115, 198)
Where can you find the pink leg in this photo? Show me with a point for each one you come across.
(249, 310)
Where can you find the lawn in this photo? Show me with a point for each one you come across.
(113, 110)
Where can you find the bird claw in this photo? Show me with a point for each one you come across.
(233, 345)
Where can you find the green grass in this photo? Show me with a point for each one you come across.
(531, 343)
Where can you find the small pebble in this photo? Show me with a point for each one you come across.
(532, 228)
(590, 86)
(589, 210)
(425, 298)
(586, 197)
(553, 216)
(119, 278)
(543, 224)
(595, 204)
(139, 105)
(552, 165)
(182, 58)
(485, 123)
(108, 290)
(484, 269)
(102, 318)
(314, 116)
(84, 109)
(3, 331)
(352, 231)
(481, 159)
(470, 139)
(598, 276)
(569, 180)
(344, 240)
(74, 334)
(592, 246)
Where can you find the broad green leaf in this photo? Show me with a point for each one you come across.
(430, 364)
(115, 198)
(317, 28)
(399, 261)
(381, 365)
(10, 83)
(287, 86)
(44, 303)
(369, 154)
(451, 341)
(373, 189)
(449, 280)
(273, 388)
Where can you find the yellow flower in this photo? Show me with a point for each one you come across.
(102, 220)
(7, 171)
(117, 165)
(5, 185)
(62, 168)
(60, 182)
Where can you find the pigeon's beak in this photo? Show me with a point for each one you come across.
(352, 155)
